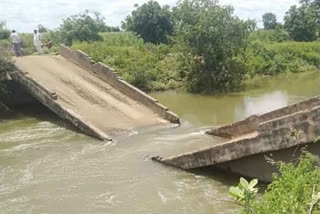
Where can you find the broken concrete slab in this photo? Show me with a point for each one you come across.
(280, 130)
(89, 95)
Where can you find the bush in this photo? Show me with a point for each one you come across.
(145, 65)
(291, 191)
(27, 43)
(277, 35)
(295, 189)
(274, 58)
(4, 34)
(122, 39)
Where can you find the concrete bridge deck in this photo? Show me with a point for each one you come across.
(281, 133)
(90, 97)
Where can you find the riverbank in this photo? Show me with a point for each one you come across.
(158, 67)
(153, 67)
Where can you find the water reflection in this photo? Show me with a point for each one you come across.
(261, 104)
(259, 97)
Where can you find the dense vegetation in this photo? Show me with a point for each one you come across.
(198, 45)
(302, 22)
(210, 49)
(294, 190)
(147, 66)
(162, 67)
(274, 58)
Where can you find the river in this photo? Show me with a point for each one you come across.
(47, 167)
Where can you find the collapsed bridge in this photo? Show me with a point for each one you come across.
(244, 145)
(90, 95)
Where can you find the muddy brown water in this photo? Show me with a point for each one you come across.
(47, 167)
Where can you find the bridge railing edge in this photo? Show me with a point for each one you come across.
(251, 123)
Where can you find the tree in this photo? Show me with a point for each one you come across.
(81, 27)
(302, 22)
(316, 6)
(4, 33)
(269, 21)
(213, 43)
(151, 21)
(2, 24)
(252, 24)
(42, 29)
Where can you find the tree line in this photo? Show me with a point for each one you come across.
(212, 46)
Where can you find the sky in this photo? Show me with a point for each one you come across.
(25, 15)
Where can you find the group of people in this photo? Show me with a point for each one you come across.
(37, 41)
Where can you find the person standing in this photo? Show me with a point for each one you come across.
(37, 41)
(16, 41)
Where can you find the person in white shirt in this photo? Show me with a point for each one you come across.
(37, 41)
(15, 39)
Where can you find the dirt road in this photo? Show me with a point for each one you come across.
(93, 99)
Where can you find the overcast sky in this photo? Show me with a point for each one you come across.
(25, 15)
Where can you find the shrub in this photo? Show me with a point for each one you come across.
(4, 34)
(274, 58)
(295, 189)
(27, 43)
(145, 65)
(277, 35)
(245, 193)
(292, 190)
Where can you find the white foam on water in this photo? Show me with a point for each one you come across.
(108, 197)
(179, 137)
(27, 176)
(163, 198)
